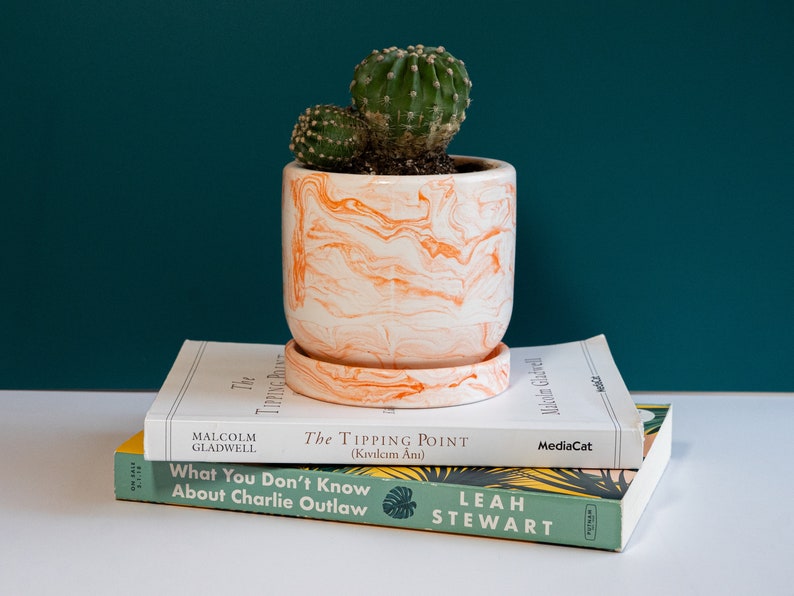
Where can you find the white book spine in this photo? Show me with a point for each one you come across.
(322, 443)
(567, 406)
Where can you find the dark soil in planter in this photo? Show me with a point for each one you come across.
(371, 164)
(388, 165)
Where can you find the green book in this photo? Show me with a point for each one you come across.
(577, 507)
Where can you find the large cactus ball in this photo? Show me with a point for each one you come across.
(415, 98)
(328, 137)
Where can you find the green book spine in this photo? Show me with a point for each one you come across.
(569, 507)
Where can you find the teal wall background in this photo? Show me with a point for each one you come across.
(141, 147)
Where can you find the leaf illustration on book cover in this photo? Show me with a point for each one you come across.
(484, 477)
(599, 484)
(398, 503)
(652, 417)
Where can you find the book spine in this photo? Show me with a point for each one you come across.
(321, 443)
(399, 503)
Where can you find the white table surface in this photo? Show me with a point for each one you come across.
(721, 521)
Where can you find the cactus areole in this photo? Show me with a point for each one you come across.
(407, 104)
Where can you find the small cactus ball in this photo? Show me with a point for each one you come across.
(414, 98)
(328, 137)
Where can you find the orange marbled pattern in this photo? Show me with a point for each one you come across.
(398, 271)
(397, 388)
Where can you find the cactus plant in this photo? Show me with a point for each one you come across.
(407, 104)
(414, 99)
(328, 137)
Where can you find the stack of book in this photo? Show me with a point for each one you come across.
(563, 456)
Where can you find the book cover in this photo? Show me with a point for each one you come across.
(577, 507)
(566, 406)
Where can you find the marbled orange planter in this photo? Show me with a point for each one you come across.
(399, 273)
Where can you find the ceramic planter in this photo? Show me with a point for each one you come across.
(399, 289)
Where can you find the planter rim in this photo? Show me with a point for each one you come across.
(489, 167)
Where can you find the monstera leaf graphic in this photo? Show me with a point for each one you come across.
(398, 503)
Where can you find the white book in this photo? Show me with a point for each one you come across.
(566, 406)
